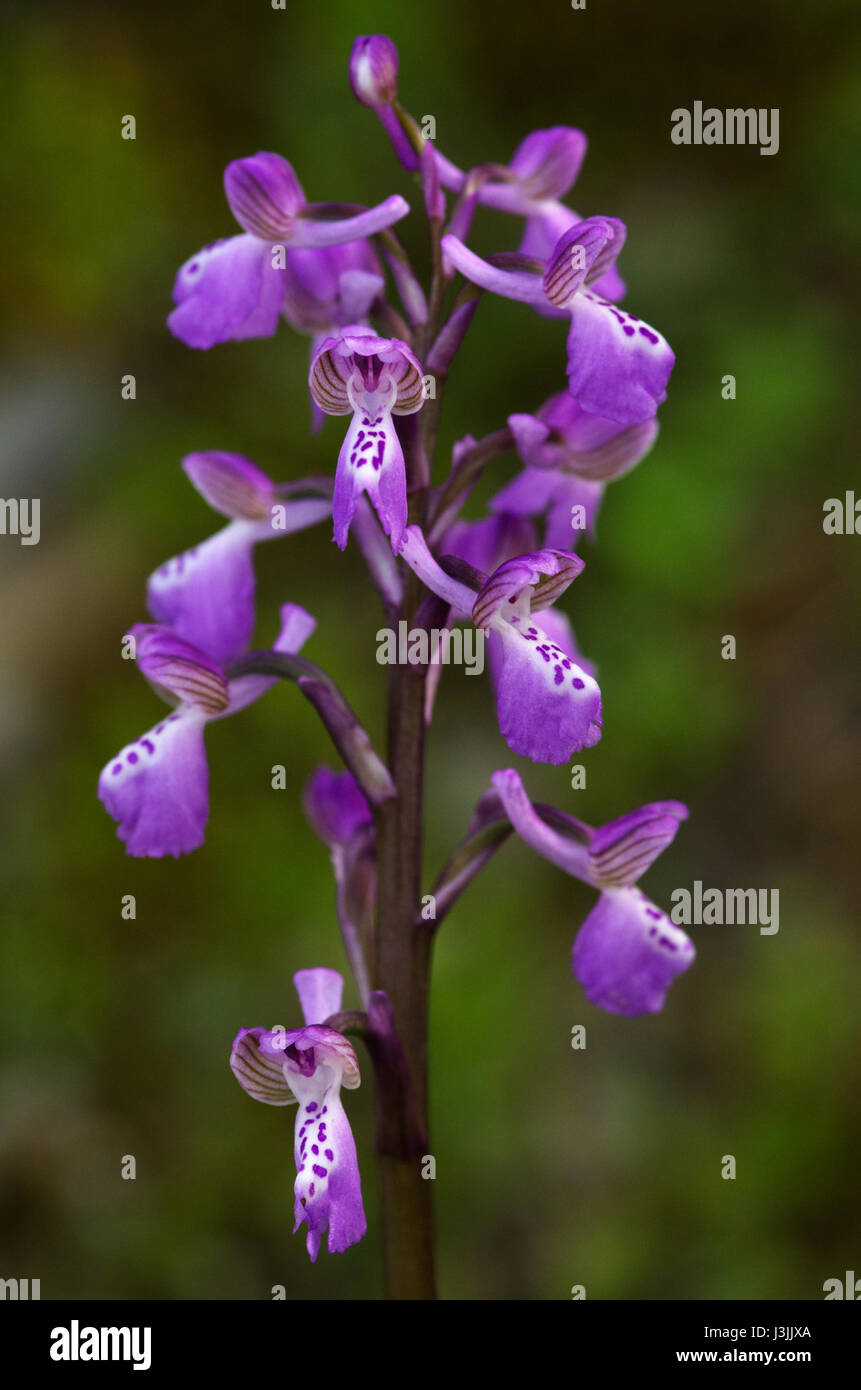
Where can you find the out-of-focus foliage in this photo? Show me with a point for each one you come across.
(554, 1167)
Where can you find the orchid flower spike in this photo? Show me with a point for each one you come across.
(308, 1066)
(627, 952)
(618, 367)
(157, 788)
(206, 595)
(372, 378)
(548, 707)
(235, 288)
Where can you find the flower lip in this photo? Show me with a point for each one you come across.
(541, 576)
(356, 362)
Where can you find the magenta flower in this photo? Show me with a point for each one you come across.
(236, 289)
(309, 1066)
(206, 594)
(374, 378)
(157, 788)
(564, 436)
(569, 456)
(547, 706)
(618, 367)
(627, 952)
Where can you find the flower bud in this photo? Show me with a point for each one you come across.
(374, 70)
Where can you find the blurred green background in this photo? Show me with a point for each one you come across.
(554, 1167)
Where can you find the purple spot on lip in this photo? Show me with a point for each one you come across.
(329, 1155)
(319, 1171)
(132, 758)
(646, 333)
(314, 1149)
(577, 683)
(312, 1107)
(628, 330)
(117, 769)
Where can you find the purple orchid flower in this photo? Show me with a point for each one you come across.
(547, 706)
(546, 223)
(627, 952)
(157, 788)
(618, 367)
(206, 594)
(569, 456)
(309, 1066)
(374, 378)
(236, 288)
(564, 436)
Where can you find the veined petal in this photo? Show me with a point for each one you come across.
(319, 992)
(546, 573)
(175, 667)
(627, 953)
(157, 788)
(228, 291)
(618, 366)
(512, 284)
(582, 254)
(258, 1072)
(264, 194)
(568, 854)
(548, 708)
(231, 484)
(316, 231)
(355, 364)
(622, 850)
